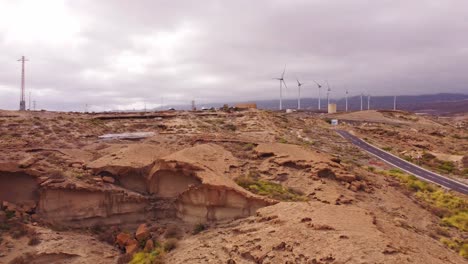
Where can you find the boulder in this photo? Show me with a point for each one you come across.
(131, 249)
(3, 217)
(108, 179)
(122, 239)
(149, 246)
(346, 177)
(142, 232)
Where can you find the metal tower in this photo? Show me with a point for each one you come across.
(22, 99)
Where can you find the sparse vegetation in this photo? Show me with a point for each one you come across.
(199, 228)
(457, 244)
(172, 232)
(249, 146)
(154, 257)
(387, 148)
(170, 244)
(276, 191)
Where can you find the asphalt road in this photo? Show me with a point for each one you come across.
(406, 166)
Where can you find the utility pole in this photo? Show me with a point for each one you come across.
(368, 102)
(22, 99)
(394, 103)
(361, 101)
(346, 100)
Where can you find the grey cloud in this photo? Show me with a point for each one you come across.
(231, 50)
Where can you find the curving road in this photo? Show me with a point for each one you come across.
(404, 165)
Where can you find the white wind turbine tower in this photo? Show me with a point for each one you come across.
(368, 101)
(299, 84)
(362, 94)
(281, 80)
(328, 93)
(319, 97)
(346, 100)
(394, 103)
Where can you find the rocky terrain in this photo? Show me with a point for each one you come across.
(226, 187)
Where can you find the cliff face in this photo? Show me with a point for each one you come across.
(80, 208)
(191, 184)
(196, 178)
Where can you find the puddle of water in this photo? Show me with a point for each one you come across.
(134, 135)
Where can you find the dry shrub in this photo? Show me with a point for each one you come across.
(23, 259)
(124, 259)
(173, 231)
(34, 240)
(170, 244)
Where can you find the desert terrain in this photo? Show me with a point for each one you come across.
(230, 186)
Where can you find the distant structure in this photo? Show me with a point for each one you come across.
(328, 93)
(34, 105)
(299, 84)
(361, 100)
(194, 108)
(368, 102)
(346, 100)
(29, 107)
(246, 106)
(22, 99)
(281, 81)
(331, 108)
(394, 103)
(319, 97)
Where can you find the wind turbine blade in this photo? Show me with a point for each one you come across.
(284, 71)
(285, 84)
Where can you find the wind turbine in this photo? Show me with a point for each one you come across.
(281, 80)
(328, 93)
(299, 84)
(346, 100)
(361, 100)
(394, 103)
(368, 101)
(319, 86)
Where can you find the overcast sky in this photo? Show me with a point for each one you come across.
(121, 54)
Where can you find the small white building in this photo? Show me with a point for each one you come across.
(331, 108)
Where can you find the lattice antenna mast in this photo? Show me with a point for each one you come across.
(22, 99)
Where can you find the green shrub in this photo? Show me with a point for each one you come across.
(249, 146)
(387, 148)
(452, 208)
(269, 189)
(154, 256)
(458, 245)
(199, 228)
(447, 166)
(458, 220)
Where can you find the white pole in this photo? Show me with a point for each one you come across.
(368, 102)
(361, 101)
(299, 98)
(394, 103)
(346, 100)
(281, 96)
(319, 100)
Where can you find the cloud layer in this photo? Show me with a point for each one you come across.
(121, 55)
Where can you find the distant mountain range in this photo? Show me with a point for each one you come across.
(443, 103)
